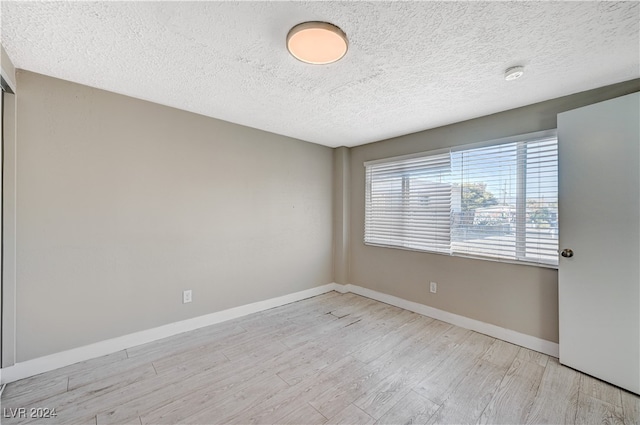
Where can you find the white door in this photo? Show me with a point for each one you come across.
(599, 212)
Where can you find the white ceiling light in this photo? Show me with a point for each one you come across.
(514, 73)
(318, 43)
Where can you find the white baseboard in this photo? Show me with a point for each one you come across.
(523, 340)
(65, 358)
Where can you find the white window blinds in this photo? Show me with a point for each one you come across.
(409, 203)
(497, 201)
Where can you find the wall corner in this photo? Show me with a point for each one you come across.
(341, 214)
(7, 70)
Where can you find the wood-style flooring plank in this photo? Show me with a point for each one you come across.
(302, 371)
(501, 353)
(29, 395)
(29, 384)
(141, 399)
(133, 421)
(477, 388)
(184, 341)
(303, 414)
(225, 376)
(630, 408)
(351, 415)
(413, 325)
(367, 318)
(334, 358)
(515, 395)
(600, 390)
(533, 356)
(336, 399)
(351, 337)
(212, 402)
(307, 309)
(435, 338)
(339, 397)
(236, 403)
(181, 379)
(593, 411)
(466, 402)
(442, 378)
(342, 342)
(313, 306)
(355, 306)
(557, 399)
(412, 409)
(75, 405)
(286, 402)
(199, 358)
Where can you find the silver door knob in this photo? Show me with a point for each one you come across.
(567, 253)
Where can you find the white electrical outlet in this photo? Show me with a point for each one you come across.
(186, 296)
(433, 287)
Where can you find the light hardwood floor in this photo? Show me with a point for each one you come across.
(331, 359)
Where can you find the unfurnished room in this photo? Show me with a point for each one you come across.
(320, 212)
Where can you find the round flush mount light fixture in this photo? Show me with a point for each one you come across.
(514, 73)
(317, 43)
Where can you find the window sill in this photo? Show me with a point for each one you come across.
(472, 257)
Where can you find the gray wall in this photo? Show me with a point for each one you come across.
(123, 204)
(518, 297)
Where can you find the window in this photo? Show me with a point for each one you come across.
(496, 200)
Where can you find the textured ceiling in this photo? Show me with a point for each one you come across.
(410, 65)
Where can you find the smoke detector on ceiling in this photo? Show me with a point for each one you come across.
(514, 73)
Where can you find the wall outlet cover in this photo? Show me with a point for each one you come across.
(186, 296)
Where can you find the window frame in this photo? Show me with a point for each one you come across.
(521, 205)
